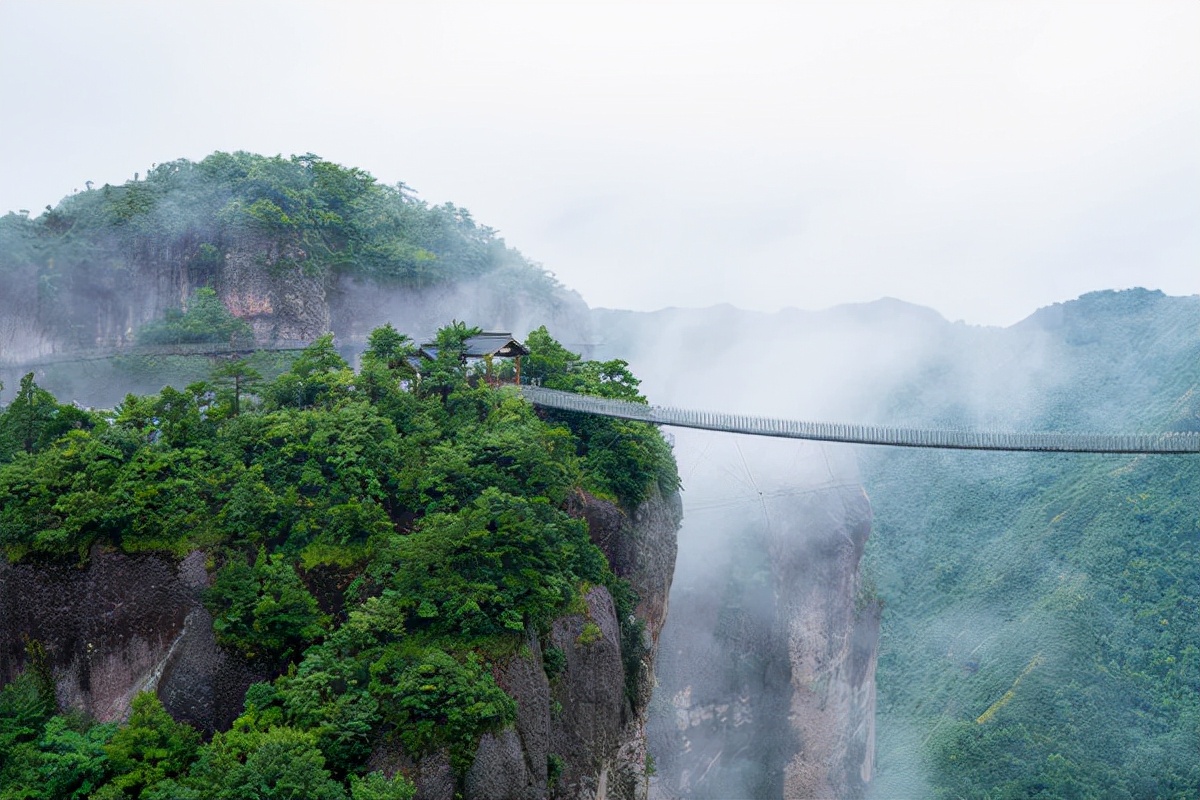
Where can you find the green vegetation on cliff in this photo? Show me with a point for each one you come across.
(204, 320)
(435, 503)
(175, 227)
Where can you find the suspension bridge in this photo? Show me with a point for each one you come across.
(1168, 443)
(1047, 442)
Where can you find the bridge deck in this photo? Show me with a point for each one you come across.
(1148, 443)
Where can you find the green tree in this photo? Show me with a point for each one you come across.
(162, 499)
(328, 695)
(205, 320)
(237, 378)
(150, 747)
(318, 377)
(548, 363)
(621, 459)
(390, 348)
(34, 419)
(244, 763)
(24, 709)
(447, 370)
(374, 786)
(499, 565)
(388, 366)
(177, 418)
(263, 611)
(60, 500)
(73, 761)
(435, 701)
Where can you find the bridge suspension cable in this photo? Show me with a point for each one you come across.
(1136, 443)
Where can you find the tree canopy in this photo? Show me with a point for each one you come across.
(437, 499)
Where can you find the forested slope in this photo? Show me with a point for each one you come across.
(1041, 633)
(386, 543)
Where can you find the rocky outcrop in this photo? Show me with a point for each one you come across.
(261, 280)
(266, 280)
(601, 730)
(580, 731)
(591, 717)
(123, 624)
(832, 634)
(637, 548)
(767, 667)
(120, 624)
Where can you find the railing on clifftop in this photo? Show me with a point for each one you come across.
(154, 351)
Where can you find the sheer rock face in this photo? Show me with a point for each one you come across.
(263, 279)
(129, 623)
(832, 637)
(266, 281)
(767, 669)
(260, 279)
(122, 625)
(577, 733)
(637, 548)
(260, 283)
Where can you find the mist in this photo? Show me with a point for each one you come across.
(832, 213)
(983, 161)
(1097, 364)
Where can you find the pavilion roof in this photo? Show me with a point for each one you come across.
(482, 345)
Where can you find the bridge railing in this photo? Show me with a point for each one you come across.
(1149, 443)
(153, 351)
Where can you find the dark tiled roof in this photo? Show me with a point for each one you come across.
(485, 344)
(495, 344)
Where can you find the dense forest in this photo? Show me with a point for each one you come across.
(1040, 632)
(434, 497)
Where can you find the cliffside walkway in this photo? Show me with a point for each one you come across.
(154, 351)
(1147, 443)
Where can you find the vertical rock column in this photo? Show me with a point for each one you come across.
(831, 632)
(766, 672)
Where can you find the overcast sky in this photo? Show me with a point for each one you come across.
(983, 159)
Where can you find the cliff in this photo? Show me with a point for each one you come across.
(129, 623)
(767, 674)
(118, 626)
(261, 280)
(295, 246)
(581, 719)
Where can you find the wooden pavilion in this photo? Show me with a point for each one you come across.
(485, 347)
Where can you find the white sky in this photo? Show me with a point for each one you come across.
(983, 159)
